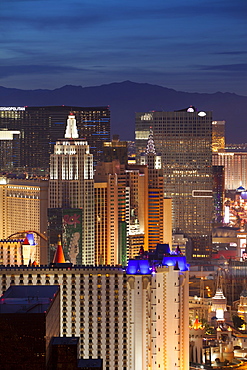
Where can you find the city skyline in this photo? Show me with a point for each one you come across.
(73, 75)
(195, 47)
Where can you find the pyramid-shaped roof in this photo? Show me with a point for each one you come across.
(59, 255)
(26, 242)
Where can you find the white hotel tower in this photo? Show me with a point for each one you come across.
(72, 185)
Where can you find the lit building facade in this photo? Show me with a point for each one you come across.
(41, 127)
(218, 136)
(115, 150)
(133, 321)
(71, 186)
(107, 213)
(242, 307)
(136, 242)
(9, 149)
(136, 178)
(23, 207)
(19, 251)
(235, 168)
(218, 193)
(184, 140)
(167, 215)
(102, 220)
(127, 207)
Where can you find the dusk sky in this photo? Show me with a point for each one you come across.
(192, 45)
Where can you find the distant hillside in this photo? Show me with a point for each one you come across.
(127, 97)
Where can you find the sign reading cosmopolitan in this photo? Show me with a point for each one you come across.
(12, 108)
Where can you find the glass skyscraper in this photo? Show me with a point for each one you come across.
(184, 140)
(41, 127)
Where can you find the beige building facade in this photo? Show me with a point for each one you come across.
(132, 321)
(23, 207)
(235, 165)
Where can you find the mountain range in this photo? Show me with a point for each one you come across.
(126, 98)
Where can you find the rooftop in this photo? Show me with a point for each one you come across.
(90, 363)
(59, 341)
(28, 299)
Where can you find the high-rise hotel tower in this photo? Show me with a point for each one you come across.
(155, 194)
(184, 140)
(72, 192)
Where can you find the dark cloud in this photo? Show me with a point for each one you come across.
(54, 22)
(76, 15)
(6, 71)
(226, 67)
(231, 52)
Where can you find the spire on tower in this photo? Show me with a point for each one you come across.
(71, 129)
(150, 144)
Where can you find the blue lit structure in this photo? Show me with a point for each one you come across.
(30, 238)
(172, 260)
(138, 267)
(161, 257)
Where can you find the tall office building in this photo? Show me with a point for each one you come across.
(133, 319)
(71, 190)
(184, 139)
(41, 127)
(23, 208)
(9, 149)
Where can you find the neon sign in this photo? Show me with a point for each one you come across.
(12, 108)
(72, 219)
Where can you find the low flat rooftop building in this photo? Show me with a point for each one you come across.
(29, 318)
